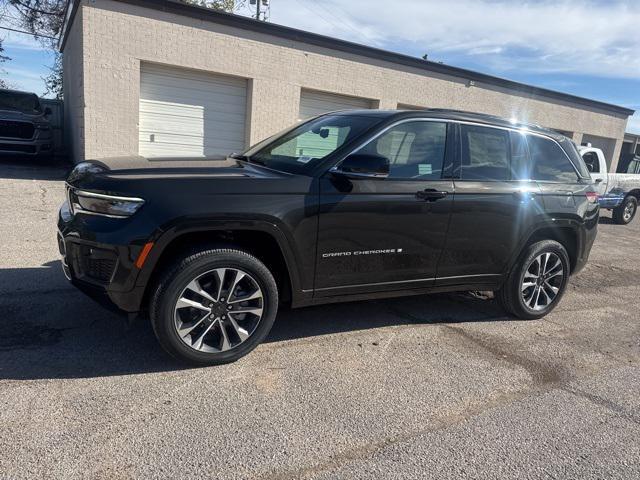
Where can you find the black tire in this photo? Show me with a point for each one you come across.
(510, 296)
(620, 214)
(172, 284)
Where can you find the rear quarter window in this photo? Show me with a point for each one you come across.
(549, 162)
(571, 150)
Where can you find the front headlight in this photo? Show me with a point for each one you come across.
(102, 204)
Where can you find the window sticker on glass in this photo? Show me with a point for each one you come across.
(425, 169)
(305, 159)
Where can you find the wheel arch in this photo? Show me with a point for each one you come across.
(635, 193)
(566, 235)
(265, 243)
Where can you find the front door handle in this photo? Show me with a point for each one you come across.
(431, 194)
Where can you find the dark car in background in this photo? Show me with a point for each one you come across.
(24, 125)
(347, 206)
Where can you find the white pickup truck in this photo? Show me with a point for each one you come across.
(619, 192)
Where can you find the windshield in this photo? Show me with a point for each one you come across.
(300, 149)
(22, 102)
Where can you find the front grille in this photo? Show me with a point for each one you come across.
(8, 147)
(13, 129)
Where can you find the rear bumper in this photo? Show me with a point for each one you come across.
(586, 239)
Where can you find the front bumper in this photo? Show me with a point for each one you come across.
(95, 264)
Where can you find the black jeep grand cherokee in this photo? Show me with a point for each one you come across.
(346, 206)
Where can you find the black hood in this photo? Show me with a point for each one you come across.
(140, 176)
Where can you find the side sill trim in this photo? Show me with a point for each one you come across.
(461, 277)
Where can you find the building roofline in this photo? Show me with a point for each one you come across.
(238, 21)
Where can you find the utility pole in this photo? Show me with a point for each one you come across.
(259, 11)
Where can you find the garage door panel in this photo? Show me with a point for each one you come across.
(184, 96)
(162, 74)
(182, 149)
(190, 114)
(190, 129)
(159, 115)
(317, 103)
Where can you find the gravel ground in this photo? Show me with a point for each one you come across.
(441, 386)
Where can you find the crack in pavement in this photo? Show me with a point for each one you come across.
(545, 378)
(618, 410)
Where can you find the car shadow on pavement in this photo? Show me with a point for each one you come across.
(28, 168)
(607, 221)
(50, 330)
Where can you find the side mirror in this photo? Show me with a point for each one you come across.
(362, 165)
(47, 111)
(590, 167)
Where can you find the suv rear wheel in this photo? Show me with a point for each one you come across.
(537, 282)
(623, 214)
(214, 306)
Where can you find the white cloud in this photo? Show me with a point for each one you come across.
(570, 36)
(634, 124)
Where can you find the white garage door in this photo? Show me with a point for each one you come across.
(184, 113)
(316, 103)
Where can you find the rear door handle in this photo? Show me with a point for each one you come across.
(431, 194)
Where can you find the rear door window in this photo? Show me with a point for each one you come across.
(485, 154)
(549, 163)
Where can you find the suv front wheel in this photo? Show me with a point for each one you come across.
(214, 306)
(537, 282)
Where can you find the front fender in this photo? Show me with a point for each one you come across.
(172, 232)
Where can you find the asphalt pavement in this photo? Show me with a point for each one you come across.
(439, 386)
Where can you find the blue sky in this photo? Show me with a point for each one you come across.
(587, 48)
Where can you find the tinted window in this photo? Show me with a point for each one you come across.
(414, 149)
(571, 149)
(591, 159)
(485, 153)
(304, 146)
(549, 162)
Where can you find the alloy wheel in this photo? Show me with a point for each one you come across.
(629, 210)
(219, 310)
(542, 281)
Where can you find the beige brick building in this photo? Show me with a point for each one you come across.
(161, 78)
